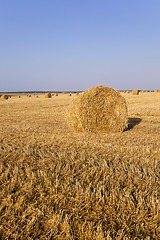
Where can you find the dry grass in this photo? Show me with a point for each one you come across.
(98, 109)
(58, 184)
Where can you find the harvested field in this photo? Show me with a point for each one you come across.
(59, 184)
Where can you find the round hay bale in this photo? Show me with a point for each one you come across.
(47, 95)
(56, 94)
(135, 92)
(29, 95)
(70, 94)
(4, 97)
(98, 109)
(19, 96)
(156, 90)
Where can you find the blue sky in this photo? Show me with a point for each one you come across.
(78, 44)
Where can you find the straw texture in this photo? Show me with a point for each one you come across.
(98, 109)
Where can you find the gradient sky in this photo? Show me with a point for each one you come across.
(78, 44)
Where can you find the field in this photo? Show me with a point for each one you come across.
(56, 183)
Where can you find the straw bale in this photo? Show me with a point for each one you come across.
(98, 109)
(135, 92)
(70, 94)
(56, 94)
(48, 95)
(4, 97)
(156, 90)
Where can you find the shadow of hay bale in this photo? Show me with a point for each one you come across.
(132, 122)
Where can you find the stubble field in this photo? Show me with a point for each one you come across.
(56, 183)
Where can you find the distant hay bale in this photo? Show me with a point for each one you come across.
(98, 109)
(37, 96)
(19, 96)
(4, 97)
(29, 95)
(135, 92)
(70, 94)
(56, 94)
(48, 95)
(156, 91)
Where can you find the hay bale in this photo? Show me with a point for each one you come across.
(156, 91)
(19, 96)
(98, 109)
(29, 95)
(48, 95)
(70, 94)
(135, 92)
(4, 97)
(56, 94)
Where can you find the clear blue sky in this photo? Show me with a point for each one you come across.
(78, 44)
